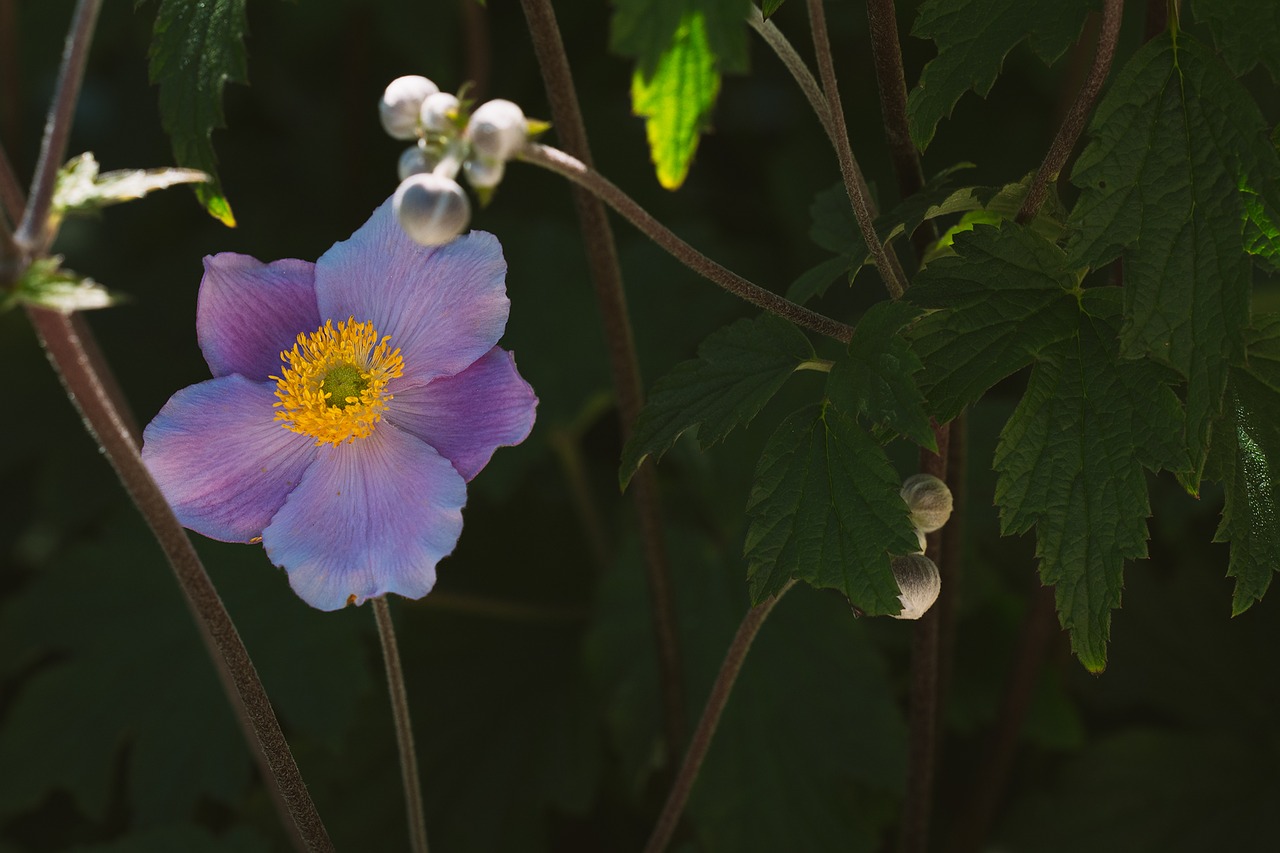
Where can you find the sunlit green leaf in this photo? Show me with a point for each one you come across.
(80, 186)
(46, 284)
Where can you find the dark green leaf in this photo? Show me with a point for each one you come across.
(1005, 295)
(1070, 463)
(768, 7)
(646, 29)
(1261, 227)
(1247, 32)
(1173, 143)
(825, 508)
(973, 37)
(815, 282)
(876, 379)
(738, 369)
(1245, 458)
(195, 49)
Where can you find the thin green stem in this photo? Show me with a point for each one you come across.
(80, 373)
(404, 726)
(1072, 126)
(53, 150)
(606, 275)
(706, 730)
(889, 268)
(573, 169)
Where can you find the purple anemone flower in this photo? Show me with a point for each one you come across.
(352, 401)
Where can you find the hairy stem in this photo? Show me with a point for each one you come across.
(606, 275)
(576, 171)
(53, 149)
(889, 268)
(1073, 124)
(891, 81)
(10, 190)
(710, 719)
(71, 358)
(922, 716)
(404, 726)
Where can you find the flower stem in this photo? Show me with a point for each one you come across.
(606, 275)
(706, 730)
(889, 268)
(1073, 124)
(71, 355)
(32, 230)
(573, 169)
(10, 190)
(922, 716)
(404, 727)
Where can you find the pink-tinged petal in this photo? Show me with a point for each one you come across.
(469, 416)
(249, 312)
(369, 517)
(443, 307)
(222, 460)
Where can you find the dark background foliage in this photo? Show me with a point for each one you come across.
(530, 667)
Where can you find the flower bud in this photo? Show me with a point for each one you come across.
(401, 103)
(497, 130)
(437, 113)
(432, 209)
(918, 584)
(929, 500)
(483, 174)
(415, 160)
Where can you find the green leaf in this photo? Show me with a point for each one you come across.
(46, 284)
(1173, 143)
(1245, 459)
(768, 7)
(1005, 295)
(876, 379)
(1070, 464)
(676, 100)
(1247, 32)
(195, 49)
(1261, 227)
(973, 37)
(681, 47)
(825, 508)
(738, 369)
(80, 187)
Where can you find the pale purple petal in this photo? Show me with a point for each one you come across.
(249, 312)
(222, 460)
(468, 416)
(370, 517)
(443, 307)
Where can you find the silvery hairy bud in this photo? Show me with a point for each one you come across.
(401, 104)
(432, 209)
(929, 500)
(918, 584)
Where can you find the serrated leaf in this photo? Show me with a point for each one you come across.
(876, 379)
(738, 369)
(814, 282)
(1173, 142)
(1245, 459)
(1261, 227)
(645, 30)
(46, 284)
(825, 508)
(973, 37)
(676, 100)
(196, 48)
(80, 186)
(768, 7)
(1246, 32)
(1005, 295)
(1069, 463)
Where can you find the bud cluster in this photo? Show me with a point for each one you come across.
(919, 583)
(449, 137)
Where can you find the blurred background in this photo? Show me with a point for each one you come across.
(531, 668)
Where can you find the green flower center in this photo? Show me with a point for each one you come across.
(343, 381)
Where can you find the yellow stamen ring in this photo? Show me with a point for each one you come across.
(350, 360)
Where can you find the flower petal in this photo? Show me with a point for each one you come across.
(443, 307)
(369, 517)
(222, 460)
(469, 416)
(249, 312)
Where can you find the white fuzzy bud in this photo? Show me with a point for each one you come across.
(401, 103)
(929, 500)
(437, 113)
(432, 209)
(415, 160)
(497, 130)
(921, 539)
(483, 174)
(918, 584)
